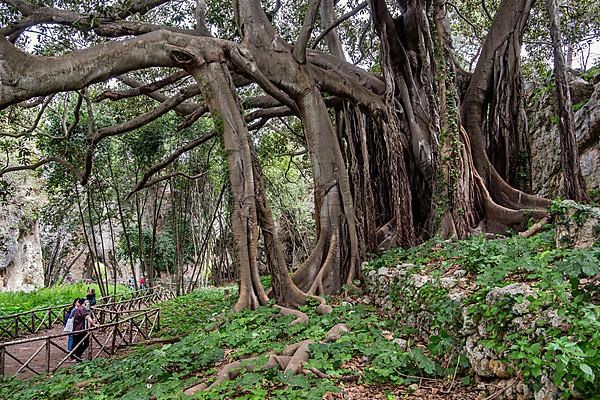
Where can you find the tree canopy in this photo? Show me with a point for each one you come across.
(406, 117)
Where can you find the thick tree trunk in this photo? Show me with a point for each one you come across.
(508, 25)
(574, 186)
(334, 260)
(217, 88)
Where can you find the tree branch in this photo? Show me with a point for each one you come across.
(299, 52)
(40, 163)
(143, 119)
(341, 19)
(138, 88)
(101, 25)
(33, 127)
(164, 163)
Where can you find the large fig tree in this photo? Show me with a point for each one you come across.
(397, 148)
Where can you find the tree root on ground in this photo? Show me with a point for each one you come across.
(291, 360)
(535, 228)
(169, 340)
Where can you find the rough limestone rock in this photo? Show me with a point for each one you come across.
(544, 138)
(484, 362)
(21, 266)
(579, 226)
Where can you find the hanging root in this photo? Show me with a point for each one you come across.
(291, 359)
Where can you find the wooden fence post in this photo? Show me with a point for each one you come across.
(2, 360)
(91, 351)
(47, 355)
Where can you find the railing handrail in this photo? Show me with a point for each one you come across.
(148, 312)
(63, 306)
(158, 292)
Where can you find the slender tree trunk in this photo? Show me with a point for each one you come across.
(573, 184)
(123, 220)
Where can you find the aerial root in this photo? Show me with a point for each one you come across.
(291, 360)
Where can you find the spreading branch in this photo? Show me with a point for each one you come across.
(161, 165)
(42, 162)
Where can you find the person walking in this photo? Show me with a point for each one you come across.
(91, 296)
(69, 327)
(81, 317)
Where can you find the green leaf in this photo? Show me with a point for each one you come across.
(587, 370)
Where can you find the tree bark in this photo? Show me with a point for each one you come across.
(573, 184)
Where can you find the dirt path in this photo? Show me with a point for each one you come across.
(39, 363)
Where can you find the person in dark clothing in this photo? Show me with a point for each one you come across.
(80, 318)
(91, 296)
(67, 316)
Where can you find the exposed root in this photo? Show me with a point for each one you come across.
(336, 333)
(291, 360)
(173, 339)
(299, 358)
(301, 318)
(535, 228)
(499, 217)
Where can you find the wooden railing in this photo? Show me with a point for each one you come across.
(48, 353)
(106, 312)
(16, 326)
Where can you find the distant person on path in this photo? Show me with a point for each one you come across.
(130, 283)
(142, 283)
(69, 327)
(91, 296)
(80, 318)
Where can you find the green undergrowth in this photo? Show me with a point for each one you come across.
(423, 335)
(213, 335)
(559, 335)
(16, 302)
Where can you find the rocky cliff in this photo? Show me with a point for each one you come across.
(21, 266)
(544, 134)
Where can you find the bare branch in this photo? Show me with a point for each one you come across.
(341, 19)
(103, 26)
(138, 88)
(310, 18)
(475, 29)
(193, 117)
(140, 7)
(143, 119)
(40, 163)
(68, 130)
(34, 126)
(157, 167)
(184, 108)
(32, 103)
